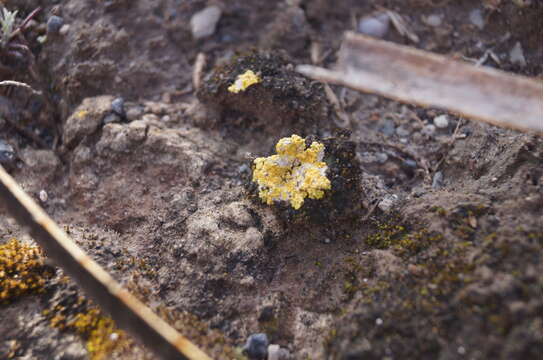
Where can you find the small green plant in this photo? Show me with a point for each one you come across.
(7, 20)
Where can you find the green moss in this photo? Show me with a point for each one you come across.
(402, 238)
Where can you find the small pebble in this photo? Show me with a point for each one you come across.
(117, 106)
(429, 129)
(43, 196)
(114, 336)
(388, 127)
(243, 168)
(381, 157)
(379, 322)
(434, 20)
(402, 132)
(476, 18)
(134, 113)
(441, 121)
(387, 203)
(461, 350)
(111, 118)
(410, 163)
(7, 154)
(437, 180)
(275, 352)
(326, 240)
(516, 55)
(256, 346)
(64, 29)
(204, 22)
(375, 25)
(54, 24)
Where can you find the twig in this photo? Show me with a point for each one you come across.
(197, 70)
(20, 84)
(25, 22)
(422, 78)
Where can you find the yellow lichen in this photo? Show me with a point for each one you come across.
(82, 113)
(103, 339)
(243, 81)
(293, 174)
(22, 270)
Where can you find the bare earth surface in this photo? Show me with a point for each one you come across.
(440, 258)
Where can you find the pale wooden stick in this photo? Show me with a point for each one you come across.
(422, 78)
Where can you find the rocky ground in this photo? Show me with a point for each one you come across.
(435, 251)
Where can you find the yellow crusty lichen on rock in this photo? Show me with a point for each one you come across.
(293, 174)
(243, 81)
(22, 270)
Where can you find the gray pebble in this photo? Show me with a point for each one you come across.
(387, 203)
(375, 25)
(7, 154)
(381, 157)
(434, 20)
(256, 346)
(441, 121)
(54, 23)
(410, 163)
(437, 181)
(516, 55)
(402, 132)
(134, 113)
(388, 127)
(117, 106)
(204, 22)
(243, 168)
(111, 118)
(476, 18)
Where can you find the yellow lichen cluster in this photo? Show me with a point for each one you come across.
(293, 174)
(22, 270)
(243, 81)
(103, 337)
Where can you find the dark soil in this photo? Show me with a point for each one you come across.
(440, 255)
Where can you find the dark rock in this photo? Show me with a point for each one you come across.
(54, 24)
(117, 106)
(256, 347)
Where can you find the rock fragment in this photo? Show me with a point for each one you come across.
(256, 347)
(204, 22)
(516, 55)
(375, 25)
(441, 121)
